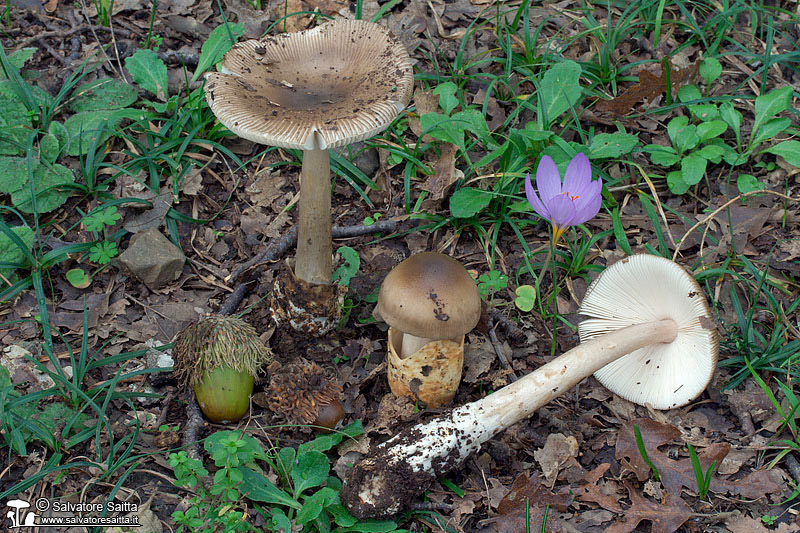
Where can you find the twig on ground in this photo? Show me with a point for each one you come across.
(233, 300)
(497, 350)
(162, 416)
(278, 247)
(194, 422)
(53, 52)
(513, 332)
(794, 467)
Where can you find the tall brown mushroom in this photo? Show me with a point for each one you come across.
(313, 90)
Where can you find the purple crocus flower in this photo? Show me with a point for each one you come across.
(565, 204)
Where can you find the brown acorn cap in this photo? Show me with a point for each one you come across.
(430, 295)
(338, 83)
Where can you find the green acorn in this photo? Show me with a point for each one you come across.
(219, 357)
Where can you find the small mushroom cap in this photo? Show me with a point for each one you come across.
(647, 288)
(430, 295)
(338, 83)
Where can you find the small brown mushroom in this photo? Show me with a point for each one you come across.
(430, 302)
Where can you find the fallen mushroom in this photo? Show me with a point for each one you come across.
(655, 324)
(430, 302)
(218, 357)
(314, 90)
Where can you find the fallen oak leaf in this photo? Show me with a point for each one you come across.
(675, 474)
(649, 87)
(591, 492)
(666, 518)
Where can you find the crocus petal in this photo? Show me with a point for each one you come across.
(578, 176)
(533, 198)
(548, 180)
(562, 210)
(588, 206)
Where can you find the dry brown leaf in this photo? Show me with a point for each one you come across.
(675, 475)
(649, 87)
(556, 451)
(591, 492)
(666, 518)
(445, 174)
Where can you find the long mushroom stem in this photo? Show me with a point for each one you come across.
(313, 262)
(397, 470)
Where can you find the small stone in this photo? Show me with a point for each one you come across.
(153, 258)
(365, 158)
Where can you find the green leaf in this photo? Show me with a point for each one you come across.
(526, 298)
(447, 96)
(683, 135)
(712, 153)
(78, 278)
(710, 70)
(687, 138)
(280, 522)
(15, 124)
(371, 526)
(747, 183)
(14, 173)
(559, 90)
(662, 155)
(49, 148)
(469, 201)
(693, 168)
(711, 129)
(47, 180)
(619, 232)
(676, 183)
(349, 268)
(789, 150)
(149, 71)
(11, 253)
(18, 58)
(310, 469)
(770, 130)
(258, 488)
(704, 111)
(608, 145)
(216, 46)
(341, 515)
(770, 104)
(732, 118)
(313, 505)
(103, 94)
(103, 252)
(688, 93)
(97, 220)
(95, 126)
(492, 281)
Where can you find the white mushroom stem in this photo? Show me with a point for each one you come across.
(313, 262)
(409, 345)
(397, 470)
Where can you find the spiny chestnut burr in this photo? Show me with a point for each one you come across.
(303, 394)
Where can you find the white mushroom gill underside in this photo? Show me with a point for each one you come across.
(646, 288)
(335, 84)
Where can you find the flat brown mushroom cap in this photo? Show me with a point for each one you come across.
(338, 83)
(430, 295)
